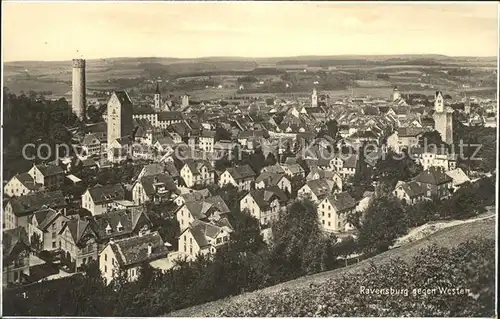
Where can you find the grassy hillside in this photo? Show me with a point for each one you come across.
(449, 237)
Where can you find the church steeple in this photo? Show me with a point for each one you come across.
(157, 88)
(157, 96)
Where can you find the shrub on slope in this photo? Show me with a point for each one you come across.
(471, 265)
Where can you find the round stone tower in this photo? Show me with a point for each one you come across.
(78, 101)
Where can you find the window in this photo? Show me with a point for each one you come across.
(105, 268)
(323, 222)
(323, 213)
(53, 244)
(105, 258)
(328, 223)
(328, 215)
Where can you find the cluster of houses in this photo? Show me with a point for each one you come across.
(183, 148)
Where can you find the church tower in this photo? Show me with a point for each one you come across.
(314, 98)
(157, 97)
(443, 121)
(396, 95)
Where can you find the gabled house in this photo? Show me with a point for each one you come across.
(435, 182)
(204, 238)
(318, 173)
(206, 141)
(164, 145)
(345, 166)
(209, 208)
(50, 176)
(276, 168)
(16, 253)
(268, 179)
(19, 209)
(408, 137)
(153, 188)
(438, 157)
(21, 184)
(197, 172)
(91, 144)
(459, 178)
(78, 243)
(240, 177)
(333, 211)
(97, 199)
(317, 189)
(145, 132)
(264, 204)
(293, 170)
(191, 196)
(120, 224)
(45, 225)
(409, 192)
(129, 254)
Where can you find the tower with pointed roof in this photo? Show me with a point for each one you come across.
(443, 121)
(396, 95)
(157, 97)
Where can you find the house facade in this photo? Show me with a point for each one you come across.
(203, 238)
(333, 211)
(21, 184)
(50, 176)
(241, 177)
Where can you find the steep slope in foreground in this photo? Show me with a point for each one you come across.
(449, 237)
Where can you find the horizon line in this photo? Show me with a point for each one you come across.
(264, 57)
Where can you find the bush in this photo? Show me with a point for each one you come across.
(471, 265)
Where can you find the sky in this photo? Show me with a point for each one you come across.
(61, 30)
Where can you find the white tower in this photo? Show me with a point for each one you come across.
(78, 101)
(443, 121)
(184, 100)
(314, 98)
(396, 95)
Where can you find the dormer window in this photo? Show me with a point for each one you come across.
(119, 227)
(109, 230)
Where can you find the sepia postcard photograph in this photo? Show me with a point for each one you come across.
(249, 159)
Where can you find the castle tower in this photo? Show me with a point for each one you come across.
(78, 101)
(396, 95)
(157, 97)
(443, 121)
(314, 98)
(120, 123)
(184, 100)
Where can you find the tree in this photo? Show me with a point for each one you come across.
(246, 236)
(257, 160)
(431, 138)
(222, 134)
(332, 127)
(346, 247)
(270, 160)
(395, 167)
(383, 222)
(299, 246)
(36, 242)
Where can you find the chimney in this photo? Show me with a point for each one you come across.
(150, 249)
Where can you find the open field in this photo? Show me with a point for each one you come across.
(448, 237)
(127, 73)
